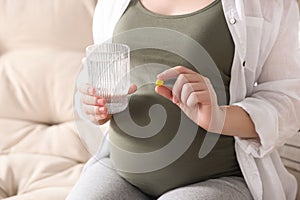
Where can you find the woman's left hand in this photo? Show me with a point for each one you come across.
(195, 96)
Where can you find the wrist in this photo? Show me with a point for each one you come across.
(217, 122)
(237, 122)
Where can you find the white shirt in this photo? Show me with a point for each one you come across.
(265, 82)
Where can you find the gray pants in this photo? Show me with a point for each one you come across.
(100, 182)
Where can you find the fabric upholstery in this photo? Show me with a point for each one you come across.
(290, 155)
(41, 47)
(290, 152)
(52, 24)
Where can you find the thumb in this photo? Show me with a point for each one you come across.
(132, 89)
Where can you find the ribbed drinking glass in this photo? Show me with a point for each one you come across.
(108, 70)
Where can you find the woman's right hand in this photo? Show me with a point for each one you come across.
(94, 106)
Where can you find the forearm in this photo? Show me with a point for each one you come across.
(238, 123)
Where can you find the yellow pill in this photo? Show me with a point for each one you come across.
(159, 82)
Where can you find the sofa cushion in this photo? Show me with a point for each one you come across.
(36, 176)
(52, 24)
(41, 47)
(38, 85)
(290, 153)
(37, 88)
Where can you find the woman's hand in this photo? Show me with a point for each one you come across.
(94, 106)
(195, 96)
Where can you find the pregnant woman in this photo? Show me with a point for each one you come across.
(254, 47)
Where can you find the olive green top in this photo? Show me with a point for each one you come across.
(207, 27)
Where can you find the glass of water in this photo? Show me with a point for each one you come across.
(108, 70)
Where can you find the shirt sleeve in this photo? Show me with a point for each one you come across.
(274, 104)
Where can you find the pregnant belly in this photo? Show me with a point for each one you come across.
(188, 168)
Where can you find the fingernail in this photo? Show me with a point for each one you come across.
(100, 101)
(101, 109)
(103, 116)
(175, 100)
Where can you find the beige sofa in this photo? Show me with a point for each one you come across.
(290, 152)
(41, 46)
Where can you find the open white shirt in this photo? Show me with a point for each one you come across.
(265, 82)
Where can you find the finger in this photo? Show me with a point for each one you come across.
(104, 120)
(183, 79)
(174, 72)
(132, 89)
(188, 88)
(99, 119)
(94, 110)
(199, 97)
(92, 100)
(87, 89)
(164, 91)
